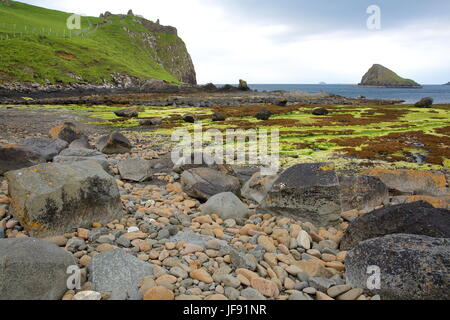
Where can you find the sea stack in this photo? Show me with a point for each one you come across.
(381, 77)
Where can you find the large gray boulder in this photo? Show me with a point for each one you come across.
(411, 267)
(48, 148)
(203, 183)
(258, 186)
(307, 192)
(419, 218)
(138, 170)
(119, 273)
(113, 143)
(13, 157)
(31, 269)
(66, 131)
(362, 192)
(52, 199)
(227, 205)
(81, 154)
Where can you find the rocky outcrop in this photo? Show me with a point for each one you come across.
(307, 192)
(52, 199)
(379, 76)
(424, 103)
(31, 269)
(411, 267)
(418, 218)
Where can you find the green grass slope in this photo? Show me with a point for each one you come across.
(36, 46)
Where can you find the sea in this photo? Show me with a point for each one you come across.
(440, 93)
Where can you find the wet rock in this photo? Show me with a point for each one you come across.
(227, 205)
(419, 218)
(46, 147)
(52, 199)
(138, 170)
(412, 267)
(412, 181)
(203, 183)
(258, 186)
(308, 192)
(217, 116)
(189, 118)
(14, 157)
(362, 192)
(151, 122)
(31, 269)
(127, 113)
(424, 103)
(113, 143)
(118, 272)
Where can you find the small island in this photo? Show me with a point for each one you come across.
(381, 77)
(447, 84)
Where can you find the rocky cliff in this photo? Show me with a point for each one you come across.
(379, 76)
(39, 52)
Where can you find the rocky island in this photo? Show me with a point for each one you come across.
(381, 77)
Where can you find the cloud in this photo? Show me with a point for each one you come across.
(297, 41)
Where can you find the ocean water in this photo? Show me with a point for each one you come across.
(440, 93)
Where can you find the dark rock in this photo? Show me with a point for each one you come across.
(257, 187)
(424, 103)
(114, 143)
(203, 183)
(308, 192)
(217, 116)
(52, 199)
(67, 132)
(48, 148)
(320, 112)
(412, 267)
(127, 113)
(189, 118)
(419, 218)
(380, 76)
(151, 122)
(118, 272)
(138, 170)
(200, 160)
(244, 173)
(31, 269)
(362, 192)
(263, 115)
(82, 143)
(14, 157)
(282, 102)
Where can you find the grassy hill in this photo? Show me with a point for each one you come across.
(380, 76)
(36, 46)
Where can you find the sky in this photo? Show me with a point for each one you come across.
(297, 41)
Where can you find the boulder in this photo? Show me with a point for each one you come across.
(243, 85)
(412, 267)
(424, 103)
(81, 154)
(413, 218)
(151, 122)
(119, 273)
(320, 112)
(307, 192)
(14, 157)
(127, 113)
(362, 192)
(263, 115)
(217, 116)
(82, 143)
(138, 170)
(282, 102)
(52, 199)
(257, 187)
(244, 173)
(199, 160)
(66, 131)
(412, 181)
(114, 143)
(189, 118)
(48, 148)
(32, 269)
(203, 183)
(227, 205)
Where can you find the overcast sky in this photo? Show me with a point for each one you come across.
(297, 41)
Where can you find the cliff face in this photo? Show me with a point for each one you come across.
(379, 76)
(38, 50)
